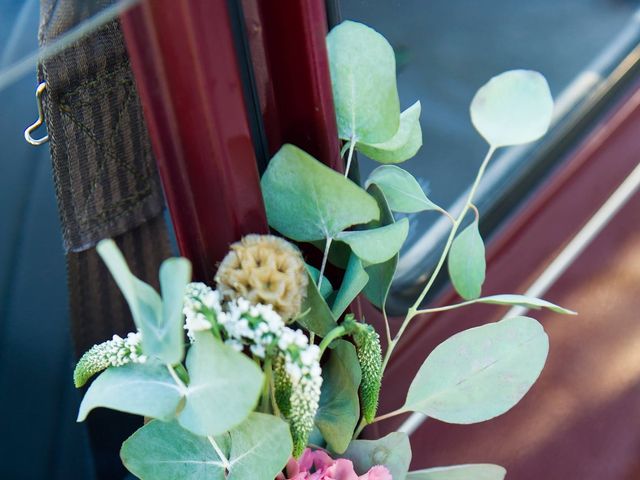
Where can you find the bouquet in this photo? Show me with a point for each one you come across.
(263, 373)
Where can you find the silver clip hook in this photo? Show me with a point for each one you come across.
(27, 133)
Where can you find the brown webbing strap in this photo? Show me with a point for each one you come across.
(104, 172)
(106, 186)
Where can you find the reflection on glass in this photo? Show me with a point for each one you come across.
(446, 50)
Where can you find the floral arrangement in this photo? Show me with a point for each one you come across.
(272, 379)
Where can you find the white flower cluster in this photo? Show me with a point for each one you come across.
(201, 306)
(264, 331)
(113, 353)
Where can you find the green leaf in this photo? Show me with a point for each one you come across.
(306, 200)
(514, 107)
(317, 316)
(355, 279)
(392, 451)
(257, 449)
(479, 471)
(175, 274)
(326, 289)
(144, 302)
(166, 451)
(525, 301)
(377, 245)
(141, 389)
(403, 145)
(466, 262)
(363, 77)
(400, 188)
(160, 324)
(339, 410)
(224, 387)
(260, 448)
(480, 373)
(381, 274)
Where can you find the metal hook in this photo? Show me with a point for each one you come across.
(27, 133)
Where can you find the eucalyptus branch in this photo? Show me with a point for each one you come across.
(413, 310)
(350, 145)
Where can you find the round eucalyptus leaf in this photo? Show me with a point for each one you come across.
(306, 200)
(316, 315)
(355, 279)
(403, 145)
(478, 471)
(339, 408)
(141, 389)
(257, 449)
(480, 373)
(466, 262)
(401, 189)
(377, 245)
(175, 274)
(392, 451)
(363, 77)
(166, 451)
(514, 107)
(380, 274)
(525, 301)
(223, 390)
(260, 448)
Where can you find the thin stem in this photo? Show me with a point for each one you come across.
(389, 415)
(387, 328)
(352, 146)
(223, 458)
(265, 406)
(331, 336)
(412, 312)
(325, 256)
(447, 307)
(361, 425)
(181, 386)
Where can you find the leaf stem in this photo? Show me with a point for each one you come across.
(352, 146)
(331, 336)
(413, 310)
(181, 386)
(389, 415)
(361, 425)
(387, 328)
(266, 389)
(223, 458)
(325, 256)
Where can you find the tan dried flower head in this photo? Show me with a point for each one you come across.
(265, 269)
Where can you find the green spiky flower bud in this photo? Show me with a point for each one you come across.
(369, 353)
(282, 386)
(113, 353)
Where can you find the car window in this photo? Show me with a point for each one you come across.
(446, 50)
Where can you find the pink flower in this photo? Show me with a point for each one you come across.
(317, 465)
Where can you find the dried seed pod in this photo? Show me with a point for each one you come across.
(265, 269)
(369, 353)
